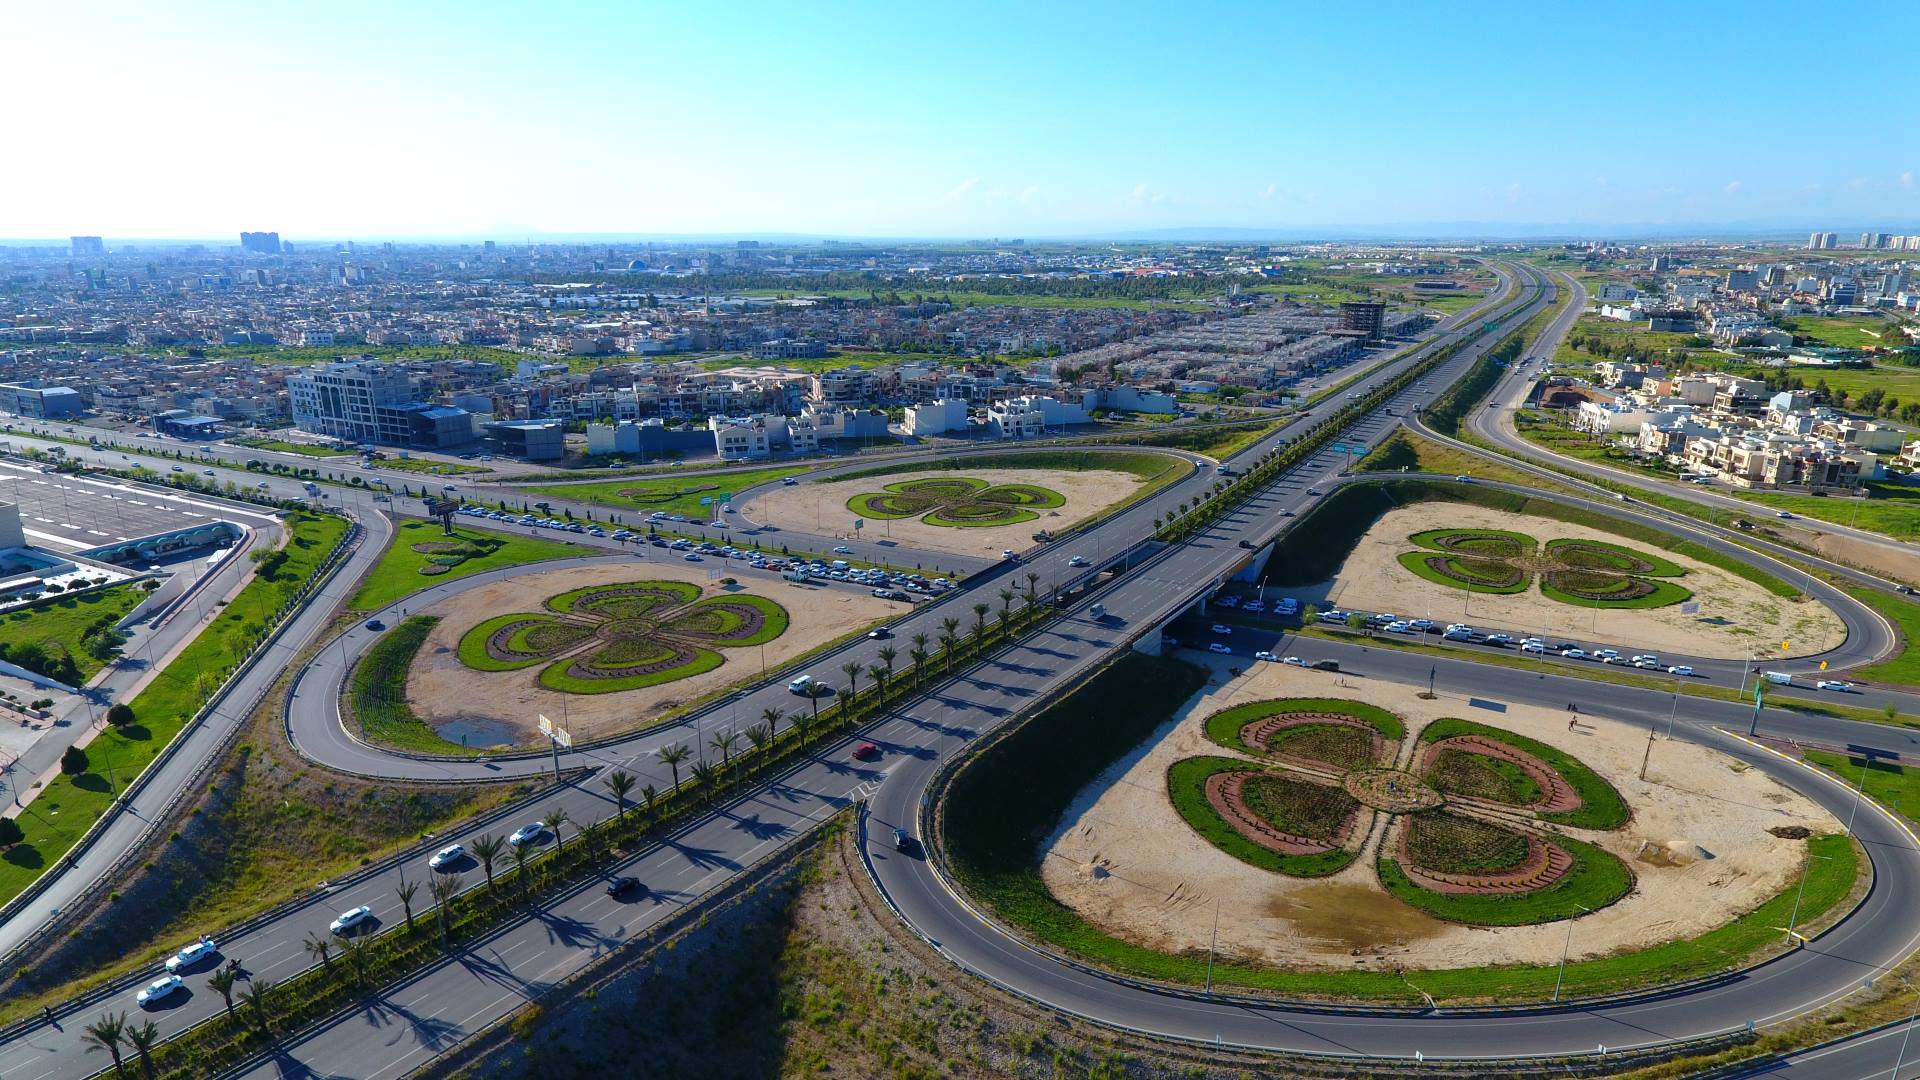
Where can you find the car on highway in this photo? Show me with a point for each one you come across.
(1834, 685)
(1265, 655)
(692, 556)
(866, 751)
(1464, 479)
(179, 468)
(1334, 615)
(527, 834)
(1078, 560)
(622, 885)
(1326, 665)
(446, 856)
(1681, 670)
(1399, 626)
(159, 989)
(1227, 601)
(1573, 654)
(879, 633)
(192, 954)
(349, 919)
(376, 625)
(1009, 555)
(1221, 648)
(788, 481)
(1499, 639)
(1533, 645)
(902, 842)
(1222, 629)
(843, 550)
(1295, 661)
(1782, 514)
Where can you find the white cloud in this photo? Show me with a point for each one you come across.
(1906, 179)
(1856, 183)
(1601, 181)
(1269, 191)
(1733, 187)
(964, 187)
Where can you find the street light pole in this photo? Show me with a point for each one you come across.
(1794, 919)
(1211, 943)
(1566, 947)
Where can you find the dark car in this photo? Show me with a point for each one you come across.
(376, 624)
(620, 886)
(1326, 665)
(1248, 544)
(901, 841)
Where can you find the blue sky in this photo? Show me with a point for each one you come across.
(1036, 118)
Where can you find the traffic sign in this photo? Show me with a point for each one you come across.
(706, 500)
(557, 734)
(725, 496)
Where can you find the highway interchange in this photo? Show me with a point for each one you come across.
(422, 1016)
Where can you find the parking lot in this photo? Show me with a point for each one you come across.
(72, 513)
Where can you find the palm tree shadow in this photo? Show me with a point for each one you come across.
(569, 931)
(756, 828)
(430, 1032)
(288, 1067)
(704, 858)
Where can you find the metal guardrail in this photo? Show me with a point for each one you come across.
(268, 641)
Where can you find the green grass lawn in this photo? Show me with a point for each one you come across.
(1844, 331)
(672, 494)
(397, 574)
(61, 623)
(56, 820)
(835, 360)
(1596, 880)
(424, 465)
(1601, 807)
(284, 447)
(1897, 381)
(1904, 668)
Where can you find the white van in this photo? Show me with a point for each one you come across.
(802, 685)
(1780, 677)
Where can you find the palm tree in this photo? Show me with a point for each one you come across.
(144, 1038)
(444, 888)
(356, 955)
(673, 757)
(620, 782)
(1006, 605)
(722, 742)
(799, 719)
(979, 628)
(772, 719)
(487, 849)
(222, 981)
(320, 949)
(949, 636)
(407, 890)
(106, 1034)
(1033, 585)
(851, 669)
(647, 797)
(887, 654)
(918, 654)
(556, 819)
(704, 774)
(257, 997)
(520, 854)
(759, 737)
(877, 673)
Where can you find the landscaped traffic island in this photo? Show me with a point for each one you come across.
(602, 649)
(1572, 571)
(1330, 837)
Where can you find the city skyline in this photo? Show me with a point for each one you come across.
(594, 120)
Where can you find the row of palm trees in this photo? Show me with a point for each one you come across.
(114, 1034)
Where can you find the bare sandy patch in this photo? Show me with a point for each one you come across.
(1735, 614)
(822, 508)
(1124, 859)
(441, 689)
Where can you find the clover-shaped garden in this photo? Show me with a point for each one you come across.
(1467, 822)
(1584, 572)
(605, 638)
(957, 501)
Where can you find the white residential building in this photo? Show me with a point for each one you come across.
(939, 417)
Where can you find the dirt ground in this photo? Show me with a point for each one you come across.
(822, 508)
(1124, 859)
(442, 689)
(1735, 615)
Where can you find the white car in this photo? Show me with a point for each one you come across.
(1227, 601)
(1499, 639)
(1264, 655)
(1078, 560)
(1008, 555)
(1295, 661)
(1650, 663)
(527, 834)
(1607, 654)
(1834, 684)
(1680, 669)
(843, 550)
(452, 853)
(1574, 654)
(158, 989)
(1256, 606)
(192, 954)
(1220, 648)
(349, 919)
(1533, 647)
(1222, 629)
(1459, 628)
(1399, 626)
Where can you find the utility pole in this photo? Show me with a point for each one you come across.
(1648, 756)
(1215, 940)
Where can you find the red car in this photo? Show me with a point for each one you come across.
(866, 751)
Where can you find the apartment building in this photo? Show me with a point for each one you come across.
(369, 402)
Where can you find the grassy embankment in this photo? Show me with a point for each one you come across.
(467, 551)
(64, 812)
(669, 494)
(990, 839)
